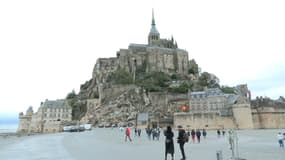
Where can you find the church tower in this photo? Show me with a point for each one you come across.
(153, 35)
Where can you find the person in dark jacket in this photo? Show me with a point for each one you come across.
(180, 140)
(169, 146)
(204, 133)
(198, 134)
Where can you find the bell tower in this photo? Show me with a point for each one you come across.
(153, 35)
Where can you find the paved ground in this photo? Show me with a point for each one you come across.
(108, 144)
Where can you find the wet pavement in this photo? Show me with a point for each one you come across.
(109, 144)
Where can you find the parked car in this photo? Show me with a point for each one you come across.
(87, 126)
(73, 128)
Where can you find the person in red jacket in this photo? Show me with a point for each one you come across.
(128, 134)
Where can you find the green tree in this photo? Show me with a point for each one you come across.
(120, 76)
(71, 95)
(209, 80)
(79, 108)
(153, 81)
(227, 89)
(182, 88)
(193, 67)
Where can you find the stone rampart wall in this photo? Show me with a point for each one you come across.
(268, 119)
(177, 97)
(52, 127)
(24, 124)
(202, 120)
(242, 116)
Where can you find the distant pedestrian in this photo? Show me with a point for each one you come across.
(193, 133)
(198, 134)
(280, 139)
(139, 132)
(181, 140)
(169, 145)
(223, 132)
(158, 134)
(128, 134)
(154, 133)
(136, 131)
(148, 132)
(204, 133)
(219, 133)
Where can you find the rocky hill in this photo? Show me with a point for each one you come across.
(120, 98)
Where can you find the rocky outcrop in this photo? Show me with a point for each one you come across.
(120, 107)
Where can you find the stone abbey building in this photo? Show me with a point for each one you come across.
(49, 118)
(159, 55)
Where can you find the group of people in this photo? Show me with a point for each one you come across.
(219, 133)
(197, 134)
(182, 138)
(153, 132)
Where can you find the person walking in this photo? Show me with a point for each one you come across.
(169, 145)
(219, 133)
(128, 134)
(193, 133)
(158, 134)
(280, 139)
(198, 134)
(204, 133)
(148, 132)
(181, 141)
(136, 131)
(223, 132)
(139, 132)
(154, 133)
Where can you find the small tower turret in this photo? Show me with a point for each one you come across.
(29, 111)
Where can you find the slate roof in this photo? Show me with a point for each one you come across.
(60, 103)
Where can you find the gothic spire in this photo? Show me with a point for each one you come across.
(153, 29)
(153, 21)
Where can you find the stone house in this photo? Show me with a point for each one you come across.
(49, 118)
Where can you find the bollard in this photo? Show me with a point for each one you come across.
(219, 155)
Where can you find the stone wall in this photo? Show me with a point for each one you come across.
(52, 127)
(268, 118)
(24, 124)
(155, 59)
(242, 116)
(167, 60)
(209, 120)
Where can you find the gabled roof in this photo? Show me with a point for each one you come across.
(60, 103)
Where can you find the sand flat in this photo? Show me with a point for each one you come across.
(109, 144)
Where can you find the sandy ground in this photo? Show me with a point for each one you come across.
(109, 144)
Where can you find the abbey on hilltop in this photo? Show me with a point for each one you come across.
(155, 84)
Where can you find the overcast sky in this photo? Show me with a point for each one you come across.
(48, 48)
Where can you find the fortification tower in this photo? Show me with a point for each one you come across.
(25, 120)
